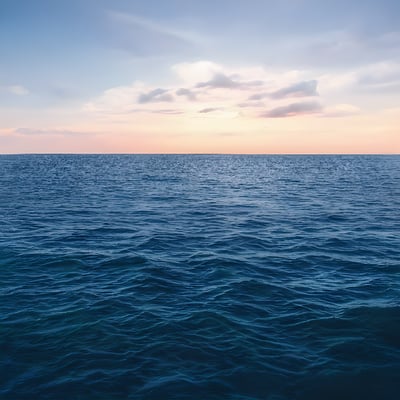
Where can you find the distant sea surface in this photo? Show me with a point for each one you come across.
(199, 277)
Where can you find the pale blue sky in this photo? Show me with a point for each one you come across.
(75, 47)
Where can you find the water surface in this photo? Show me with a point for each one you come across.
(199, 277)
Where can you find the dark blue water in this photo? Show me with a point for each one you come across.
(199, 277)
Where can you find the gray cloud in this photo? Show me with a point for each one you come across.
(220, 81)
(155, 96)
(258, 96)
(167, 112)
(300, 89)
(190, 95)
(209, 110)
(293, 110)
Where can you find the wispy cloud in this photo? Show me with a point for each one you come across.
(209, 110)
(298, 89)
(380, 74)
(167, 111)
(40, 132)
(373, 78)
(63, 93)
(339, 48)
(294, 109)
(17, 90)
(155, 96)
(162, 111)
(143, 36)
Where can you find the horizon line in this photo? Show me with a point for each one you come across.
(204, 154)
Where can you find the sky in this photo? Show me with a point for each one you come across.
(210, 76)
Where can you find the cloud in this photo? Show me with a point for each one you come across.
(18, 90)
(190, 95)
(209, 110)
(247, 77)
(258, 96)
(223, 81)
(380, 74)
(342, 48)
(294, 109)
(155, 96)
(377, 77)
(219, 81)
(145, 37)
(220, 112)
(237, 91)
(167, 112)
(33, 132)
(117, 100)
(247, 104)
(64, 93)
(164, 111)
(299, 89)
(193, 72)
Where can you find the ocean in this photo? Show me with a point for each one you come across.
(199, 277)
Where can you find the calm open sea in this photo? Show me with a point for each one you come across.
(199, 277)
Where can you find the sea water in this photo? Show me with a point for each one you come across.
(199, 277)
